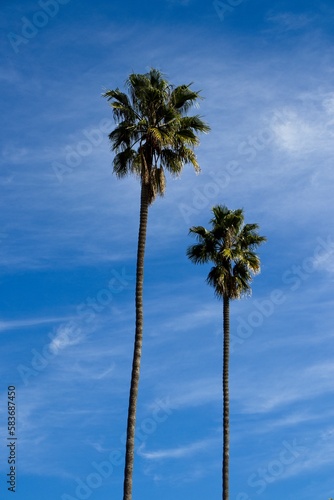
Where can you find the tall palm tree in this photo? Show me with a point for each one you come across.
(153, 134)
(230, 246)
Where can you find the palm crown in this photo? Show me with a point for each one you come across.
(230, 246)
(153, 132)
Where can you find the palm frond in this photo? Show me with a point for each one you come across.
(183, 98)
(126, 162)
(195, 123)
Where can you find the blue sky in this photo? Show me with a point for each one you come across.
(68, 242)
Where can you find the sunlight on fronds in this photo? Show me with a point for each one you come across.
(151, 124)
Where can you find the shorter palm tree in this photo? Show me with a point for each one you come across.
(230, 246)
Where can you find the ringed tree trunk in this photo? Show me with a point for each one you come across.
(131, 424)
(226, 398)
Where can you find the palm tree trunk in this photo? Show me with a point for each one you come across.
(226, 398)
(131, 425)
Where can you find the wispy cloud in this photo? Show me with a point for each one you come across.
(289, 21)
(27, 323)
(195, 392)
(304, 135)
(279, 390)
(320, 454)
(178, 452)
(66, 335)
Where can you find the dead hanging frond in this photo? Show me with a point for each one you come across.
(157, 183)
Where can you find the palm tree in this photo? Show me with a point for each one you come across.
(230, 246)
(153, 134)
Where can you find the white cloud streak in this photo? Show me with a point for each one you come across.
(27, 323)
(189, 450)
